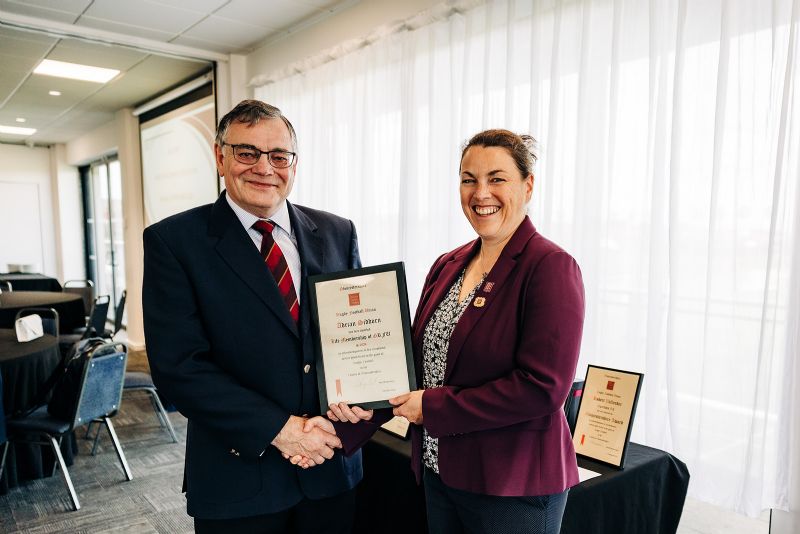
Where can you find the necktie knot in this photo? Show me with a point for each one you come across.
(265, 227)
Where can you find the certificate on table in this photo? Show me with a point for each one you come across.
(605, 417)
(363, 336)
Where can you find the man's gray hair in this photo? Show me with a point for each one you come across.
(250, 112)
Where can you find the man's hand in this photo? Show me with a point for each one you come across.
(310, 447)
(343, 412)
(409, 405)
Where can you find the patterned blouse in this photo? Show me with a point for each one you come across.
(435, 342)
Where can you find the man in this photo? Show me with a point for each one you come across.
(229, 343)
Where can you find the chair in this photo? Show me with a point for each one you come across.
(5, 286)
(49, 318)
(572, 404)
(84, 288)
(118, 311)
(96, 325)
(140, 381)
(99, 396)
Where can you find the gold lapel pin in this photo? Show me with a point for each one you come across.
(479, 302)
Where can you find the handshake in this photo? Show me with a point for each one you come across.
(309, 442)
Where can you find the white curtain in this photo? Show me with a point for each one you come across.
(668, 167)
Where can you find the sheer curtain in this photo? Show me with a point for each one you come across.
(668, 167)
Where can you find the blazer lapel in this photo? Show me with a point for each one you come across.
(238, 251)
(492, 285)
(312, 260)
(439, 288)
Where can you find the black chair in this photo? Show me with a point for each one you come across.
(98, 399)
(5, 286)
(118, 311)
(95, 326)
(573, 403)
(49, 318)
(139, 381)
(84, 288)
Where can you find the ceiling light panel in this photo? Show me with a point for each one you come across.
(17, 130)
(75, 71)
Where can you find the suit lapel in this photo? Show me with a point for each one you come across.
(440, 286)
(312, 260)
(497, 278)
(237, 250)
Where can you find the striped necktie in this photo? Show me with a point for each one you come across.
(276, 263)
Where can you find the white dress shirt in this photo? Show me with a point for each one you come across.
(282, 234)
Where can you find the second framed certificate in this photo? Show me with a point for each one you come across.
(363, 336)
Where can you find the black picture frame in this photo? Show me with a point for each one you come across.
(398, 269)
(594, 373)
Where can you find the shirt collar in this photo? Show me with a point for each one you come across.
(280, 217)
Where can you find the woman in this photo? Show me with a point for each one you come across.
(496, 340)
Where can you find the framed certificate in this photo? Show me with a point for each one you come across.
(605, 416)
(363, 336)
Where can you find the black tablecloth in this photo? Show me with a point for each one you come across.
(645, 498)
(30, 282)
(25, 367)
(68, 305)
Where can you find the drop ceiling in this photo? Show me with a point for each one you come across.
(155, 45)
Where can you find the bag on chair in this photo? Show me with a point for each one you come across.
(68, 378)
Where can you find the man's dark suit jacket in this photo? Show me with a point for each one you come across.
(511, 361)
(223, 348)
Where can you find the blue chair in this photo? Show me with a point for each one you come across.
(99, 393)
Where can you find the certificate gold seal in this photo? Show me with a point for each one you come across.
(479, 302)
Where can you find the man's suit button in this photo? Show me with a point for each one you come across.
(234, 452)
(307, 369)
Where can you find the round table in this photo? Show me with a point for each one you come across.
(31, 282)
(68, 305)
(25, 368)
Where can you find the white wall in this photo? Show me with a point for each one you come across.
(68, 214)
(27, 233)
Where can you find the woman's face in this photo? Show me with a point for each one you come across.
(494, 194)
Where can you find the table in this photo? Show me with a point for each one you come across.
(645, 498)
(30, 282)
(68, 305)
(25, 366)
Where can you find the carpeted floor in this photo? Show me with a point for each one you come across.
(151, 502)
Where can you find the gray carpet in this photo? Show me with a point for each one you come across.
(151, 502)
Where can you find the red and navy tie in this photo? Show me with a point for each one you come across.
(276, 263)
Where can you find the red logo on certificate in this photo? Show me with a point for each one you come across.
(610, 385)
(355, 299)
(338, 387)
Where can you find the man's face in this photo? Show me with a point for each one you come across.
(259, 189)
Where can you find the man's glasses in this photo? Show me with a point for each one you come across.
(249, 155)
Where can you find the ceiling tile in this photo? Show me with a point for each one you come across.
(226, 32)
(201, 6)
(125, 29)
(53, 10)
(98, 55)
(145, 15)
(185, 40)
(277, 14)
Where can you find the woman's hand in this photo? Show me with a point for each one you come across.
(409, 405)
(343, 412)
